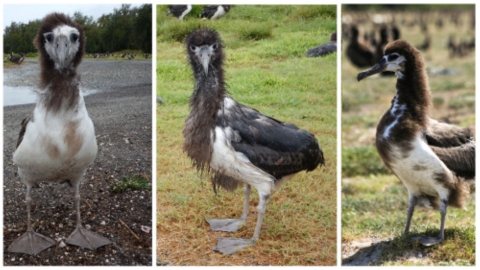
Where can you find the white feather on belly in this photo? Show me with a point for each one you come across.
(219, 13)
(236, 165)
(417, 170)
(44, 154)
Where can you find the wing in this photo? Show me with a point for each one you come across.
(446, 135)
(277, 148)
(322, 50)
(208, 11)
(459, 159)
(177, 10)
(454, 146)
(23, 129)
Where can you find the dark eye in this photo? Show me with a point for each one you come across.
(74, 37)
(392, 57)
(193, 48)
(49, 37)
(215, 46)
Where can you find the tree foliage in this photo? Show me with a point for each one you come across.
(125, 28)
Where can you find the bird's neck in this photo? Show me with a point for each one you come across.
(414, 92)
(199, 127)
(209, 92)
(60, 89)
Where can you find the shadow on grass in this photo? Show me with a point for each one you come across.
(458, 248)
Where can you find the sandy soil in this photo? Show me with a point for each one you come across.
(121, 111)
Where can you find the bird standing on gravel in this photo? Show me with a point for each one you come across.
(18, 59)
(435, 161)
(57, 142)
(237, 144)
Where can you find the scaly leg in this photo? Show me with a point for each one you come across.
(411, 207)
(232, 225)
(30, 242)
(81, 236)
(430, 241)
(232, 245)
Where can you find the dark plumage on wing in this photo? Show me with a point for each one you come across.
(324, 49)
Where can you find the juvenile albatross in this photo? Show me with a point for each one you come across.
(57, 142)
(435, 161)
(237, 144)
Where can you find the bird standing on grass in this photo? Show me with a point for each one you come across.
(57, 142)
(435, 161)
(236, 144)
(179, 11)
(360, 53)
(214, 12)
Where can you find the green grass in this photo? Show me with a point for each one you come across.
(362, 160)
(132, 183)
(374, 201)
(266, 69)
(374, 208)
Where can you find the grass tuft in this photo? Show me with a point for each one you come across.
(176, 31)
(311, 12)
(255, 31)
(132, 182)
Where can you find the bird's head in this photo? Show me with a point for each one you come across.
(60, 41)
(204, 48)
(398, 57)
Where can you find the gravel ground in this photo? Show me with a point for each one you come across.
(122, 114)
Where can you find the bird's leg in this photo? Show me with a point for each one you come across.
(411, 207)
(82, 237)
(262, 206)
(232, 225)
(30, 242)
(430, 241)
(232, 245)
(246, 192)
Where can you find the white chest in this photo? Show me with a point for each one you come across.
(236, 165)
(419, 169)
(56, 145)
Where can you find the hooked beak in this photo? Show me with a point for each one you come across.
(205, 55)
(61, 45)
(379, 67)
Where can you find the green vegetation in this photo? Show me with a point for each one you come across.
(374, 201)
(133, 182)
(126, 28)
(269, 72)
(362, 160)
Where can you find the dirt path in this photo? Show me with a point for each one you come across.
(121, 112)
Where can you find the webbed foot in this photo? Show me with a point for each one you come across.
(428, 240)
(232, 245)
(225, 225)
(31, 243)
(84, 238)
